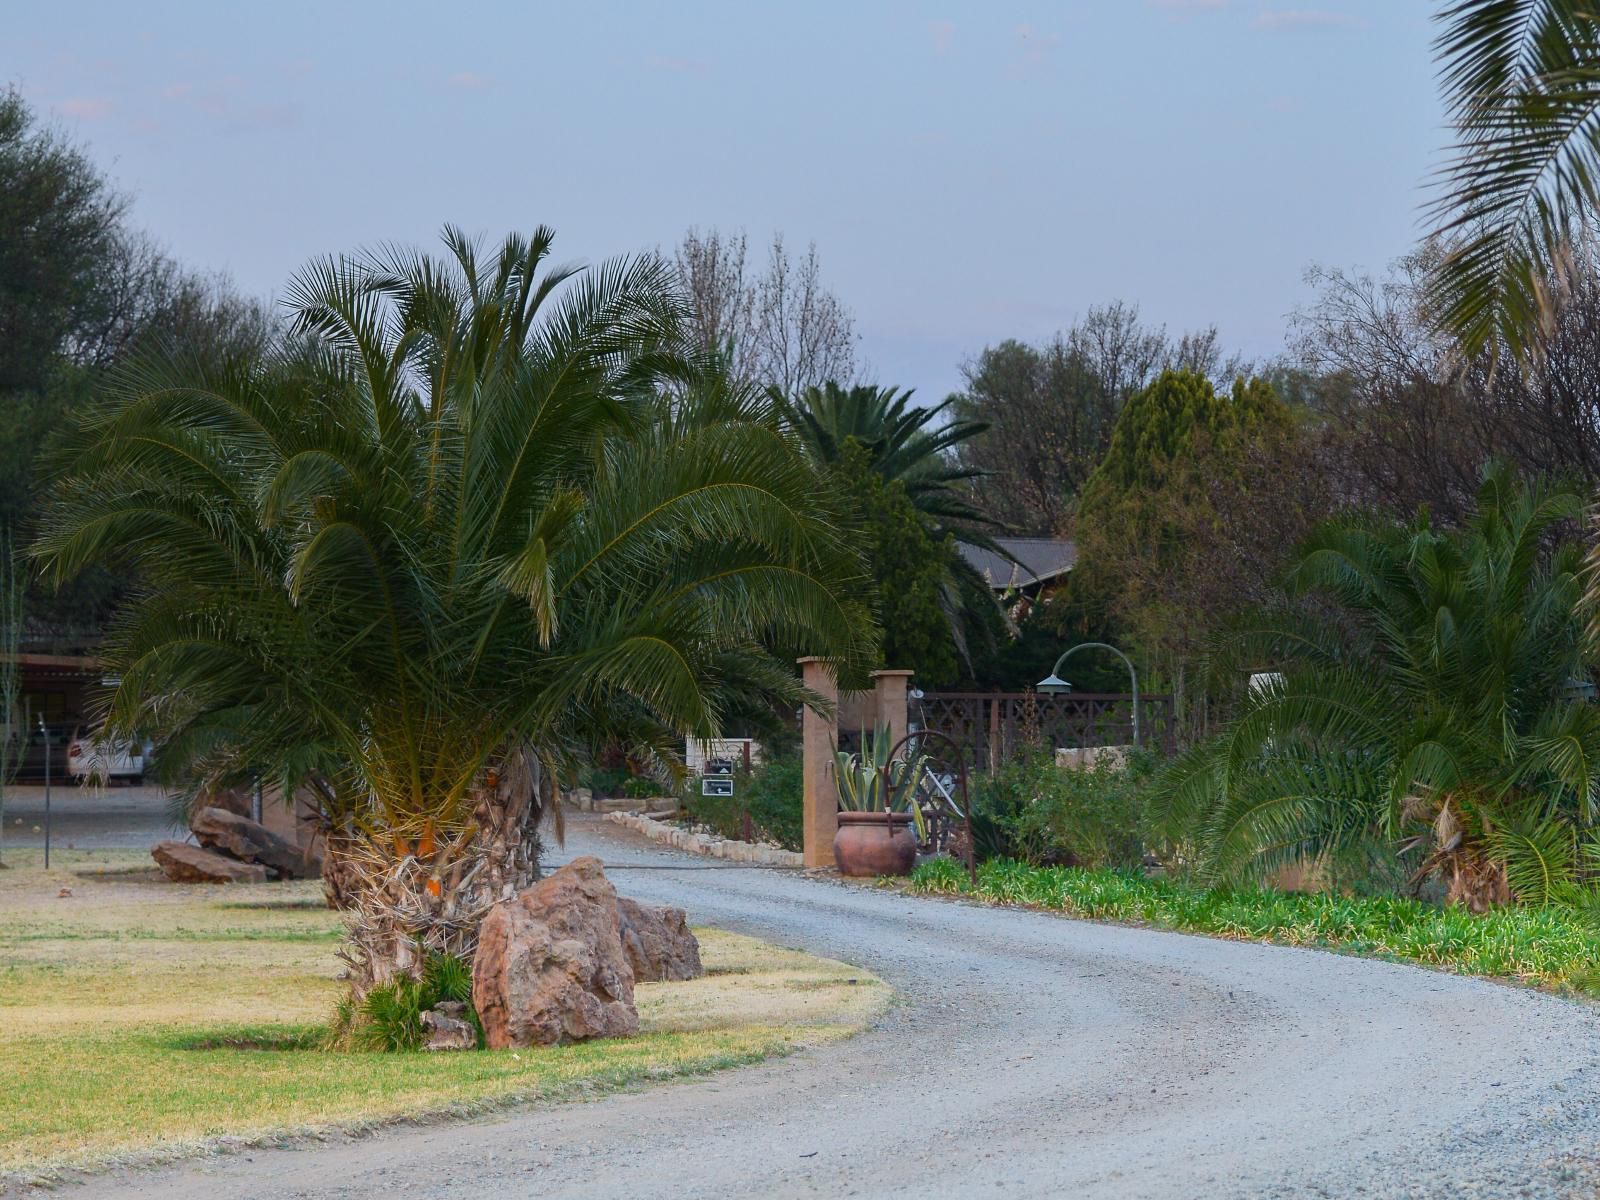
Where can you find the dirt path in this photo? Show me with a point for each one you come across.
(1029, 1056)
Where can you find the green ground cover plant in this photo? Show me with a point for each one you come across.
(1045, 815)
(1549, 947)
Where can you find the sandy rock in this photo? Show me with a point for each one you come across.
(658, 942)
(184, 863)
(230, 833)
(550, 967)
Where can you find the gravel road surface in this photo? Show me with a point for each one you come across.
(1028, 1056)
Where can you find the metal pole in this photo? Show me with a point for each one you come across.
(46, 732)
(1133, 675)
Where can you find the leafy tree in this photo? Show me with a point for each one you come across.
(428, 556)
(81, 293)
(1424, 699)
(1520, 78)
(781, 328)
(1049, 410)
(58, 222)
(1407, 420)
(1149, 507)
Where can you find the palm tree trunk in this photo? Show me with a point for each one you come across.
(410, 899)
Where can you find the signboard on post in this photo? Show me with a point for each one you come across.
(717, 777)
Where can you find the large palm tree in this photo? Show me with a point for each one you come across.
(1522, 90)
(478, 516)
(914, 448)
(1426, 702)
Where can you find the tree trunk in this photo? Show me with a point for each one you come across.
(410, 899)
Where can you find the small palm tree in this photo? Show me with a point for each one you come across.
(1522, 88)
(479, 517)
(1428, 700)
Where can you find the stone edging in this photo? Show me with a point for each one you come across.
(708, 844)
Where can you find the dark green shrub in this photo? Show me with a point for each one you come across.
(638, 787)
(1047, 815)
(766, 804)
(604, 781)
(774, 799)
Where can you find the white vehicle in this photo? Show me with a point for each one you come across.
(91, 758)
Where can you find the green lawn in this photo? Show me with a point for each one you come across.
(145, 1019)
(1546, 947)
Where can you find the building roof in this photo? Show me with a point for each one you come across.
(1038, 560)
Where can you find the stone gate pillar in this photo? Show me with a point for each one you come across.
(889, 700)
(818, 737)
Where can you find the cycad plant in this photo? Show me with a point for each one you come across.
(477, 517)
(1427, 699)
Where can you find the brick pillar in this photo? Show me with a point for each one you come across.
(889, 701)
(818, 737)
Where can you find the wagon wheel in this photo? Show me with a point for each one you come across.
(943, 794)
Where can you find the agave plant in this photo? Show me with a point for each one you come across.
(872, 782)
(1427, 703)
(478, 517)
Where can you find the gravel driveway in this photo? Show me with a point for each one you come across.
(1029, 1056)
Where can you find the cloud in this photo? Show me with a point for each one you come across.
(176, 91)
(468, 81)
(86, 108)
(942, 32)
(1188, 8)
(1285, 20)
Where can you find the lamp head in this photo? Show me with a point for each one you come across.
(1053, 685)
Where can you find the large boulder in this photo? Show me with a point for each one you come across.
(550, 967)
(657, 941)
(227, 831)
(184, 863)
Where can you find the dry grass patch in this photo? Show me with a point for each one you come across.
(145, 1020)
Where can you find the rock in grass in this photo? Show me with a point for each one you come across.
(550, 967)
(658, 943)
(448, 1028)
(184, 863)
(228, 832)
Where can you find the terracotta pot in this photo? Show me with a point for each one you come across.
(874, 843)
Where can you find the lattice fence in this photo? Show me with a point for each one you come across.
(995, 724)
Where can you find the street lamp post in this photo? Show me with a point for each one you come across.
(44, 730)
(1052, 684)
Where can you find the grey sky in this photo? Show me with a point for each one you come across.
(968, 171)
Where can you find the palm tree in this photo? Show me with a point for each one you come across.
(907, 447)
(1427, 699)
(449, 538)
(903, 442)
(1522, 89)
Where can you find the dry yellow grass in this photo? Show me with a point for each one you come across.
(118, 1004)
